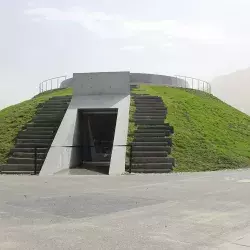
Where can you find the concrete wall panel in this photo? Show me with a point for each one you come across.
(101, 83)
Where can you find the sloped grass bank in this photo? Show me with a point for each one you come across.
(14, 118)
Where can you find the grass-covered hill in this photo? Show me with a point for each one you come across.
(13, 118)
(209, 134)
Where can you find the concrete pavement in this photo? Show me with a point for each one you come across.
(175, 211)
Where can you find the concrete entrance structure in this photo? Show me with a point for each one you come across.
(92, 91)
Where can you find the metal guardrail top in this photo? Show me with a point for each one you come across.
(195, 83)
(189, 82)
(52, 83)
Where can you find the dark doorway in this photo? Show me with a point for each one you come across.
(96, 130)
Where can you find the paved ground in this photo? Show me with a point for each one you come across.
(177, 211)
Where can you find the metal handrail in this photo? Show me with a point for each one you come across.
(190, 83)
(51, 83)
(206, 86)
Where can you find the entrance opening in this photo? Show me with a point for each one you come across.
(94, 136)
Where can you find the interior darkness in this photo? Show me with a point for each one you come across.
(95, 138)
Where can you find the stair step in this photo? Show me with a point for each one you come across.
(54, 105)
(16, 160)
(151, 148)
(42, 125)
(35, 136)
(146, 159)
(152, 171)
(28, 150)
(152, 134)
(53, 101)
(46, 112)
(149, 117)
(17, 172)
(46, 130)
(47, 141)
(48, 109)
(150, 143)
(148, 121)
(33, 145)
(152, 112)
(150, 165)
(149, 101)
(61, 97)
(149, 154)
(146, 97)
(29, 155)
(150, 106)
(19, 167)
(39, 119)
(148, 140)
(159, 126)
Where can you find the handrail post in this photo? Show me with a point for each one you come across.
(35, 160)
(130, 159)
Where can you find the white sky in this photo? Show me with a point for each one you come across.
(45, 38)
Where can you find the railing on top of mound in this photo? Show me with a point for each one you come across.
(52, 83)
(181, 81)
(195, 83)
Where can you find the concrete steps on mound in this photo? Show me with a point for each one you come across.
(39, 134)
(151, 144)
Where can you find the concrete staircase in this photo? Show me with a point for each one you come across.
(39, 133)
(151, 144)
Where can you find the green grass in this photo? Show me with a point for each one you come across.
(209, 134)
(13, 119)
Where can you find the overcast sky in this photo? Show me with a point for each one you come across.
(45, 38)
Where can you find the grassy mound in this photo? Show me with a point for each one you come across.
(209, 134)
(13, 118)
